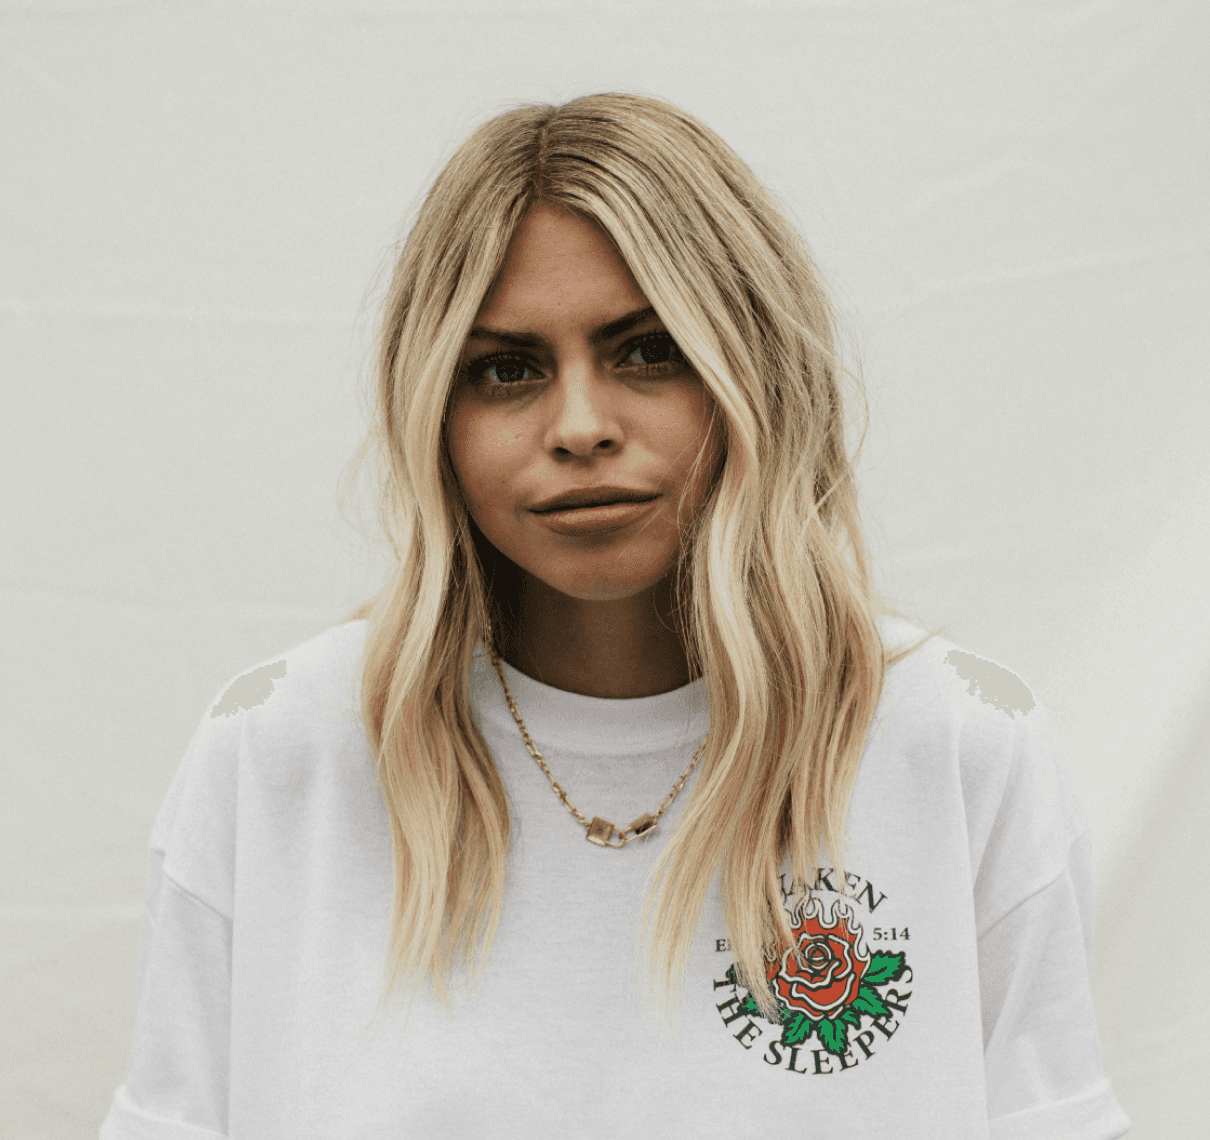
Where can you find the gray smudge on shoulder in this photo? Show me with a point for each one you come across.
(991, 683)
(246, 692)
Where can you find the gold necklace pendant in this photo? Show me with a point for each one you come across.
(600, 830)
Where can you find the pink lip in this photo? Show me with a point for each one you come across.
(593, 497)
(602, 519)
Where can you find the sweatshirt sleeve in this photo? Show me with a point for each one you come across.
(1034, 905)
(176, 1084)
(177, 1080)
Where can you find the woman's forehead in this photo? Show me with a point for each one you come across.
(558, 265)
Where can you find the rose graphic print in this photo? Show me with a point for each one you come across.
(821, 973)
(826, 983)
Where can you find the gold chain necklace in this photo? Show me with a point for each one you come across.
(600, 831)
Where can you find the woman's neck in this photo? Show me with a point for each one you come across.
(616, 649)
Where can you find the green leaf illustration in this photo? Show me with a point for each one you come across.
(749, 1006)
(796, 1029)
(834, 1036)
(868, 1001)
(849, 1017)
(884, 968)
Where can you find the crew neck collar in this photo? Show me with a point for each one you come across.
(597, 725)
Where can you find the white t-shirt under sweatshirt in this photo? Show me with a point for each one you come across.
(943, 989)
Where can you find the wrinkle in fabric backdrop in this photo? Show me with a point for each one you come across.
(1008, 200)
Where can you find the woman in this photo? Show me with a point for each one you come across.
(630, 586)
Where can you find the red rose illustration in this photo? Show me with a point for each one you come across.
(827, 973)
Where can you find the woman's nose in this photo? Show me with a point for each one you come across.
(584, 419)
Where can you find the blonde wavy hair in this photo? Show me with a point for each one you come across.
(776, 603)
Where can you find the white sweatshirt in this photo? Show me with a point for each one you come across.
(944, 995)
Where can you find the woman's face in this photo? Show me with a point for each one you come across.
(572, 387)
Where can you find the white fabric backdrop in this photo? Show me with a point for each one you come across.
(1008, 198)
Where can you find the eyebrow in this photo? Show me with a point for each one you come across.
(597, 336)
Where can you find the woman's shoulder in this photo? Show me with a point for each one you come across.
(319, 674)
(963, 719)
(932, 678)
(278, 711)
(947, 705)
(322, 668)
